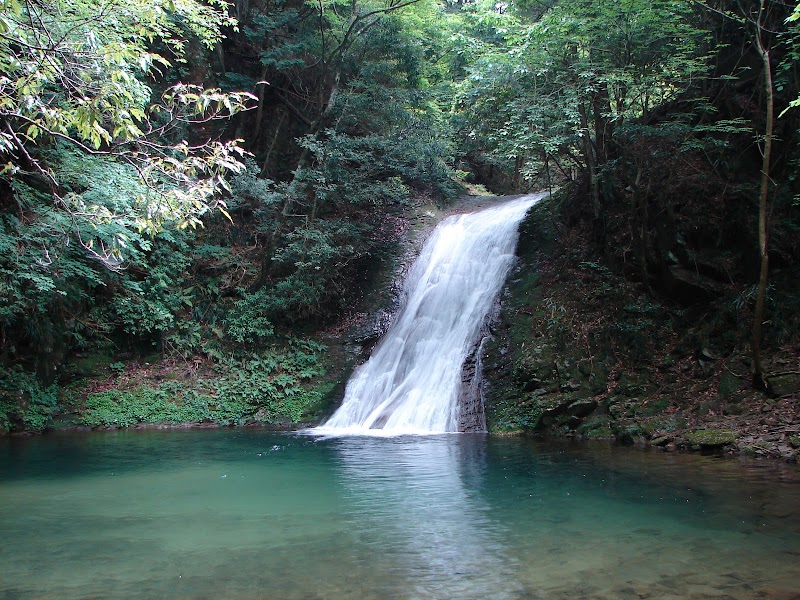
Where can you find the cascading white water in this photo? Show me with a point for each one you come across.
(411, 382)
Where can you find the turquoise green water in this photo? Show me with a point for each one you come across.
(254, 514)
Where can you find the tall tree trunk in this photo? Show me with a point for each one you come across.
(519, 162)
(759, 377)
(641, 220)
(262, 90)
(603, 125)
(268, 155)
(546, 161)
(589, 158)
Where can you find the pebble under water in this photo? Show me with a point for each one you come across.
(256, 514)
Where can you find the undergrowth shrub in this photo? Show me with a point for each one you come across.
(269, 387)
(25, 403)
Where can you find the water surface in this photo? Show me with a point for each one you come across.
(255, 514)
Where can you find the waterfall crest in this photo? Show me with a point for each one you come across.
(412, 380)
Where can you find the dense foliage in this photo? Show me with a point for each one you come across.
(313, 127)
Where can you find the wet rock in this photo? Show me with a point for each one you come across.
(550, 415)
(663, 440)
(627, 434)
(784, 451)
(471, 402)
(582, 408)
(597, 427)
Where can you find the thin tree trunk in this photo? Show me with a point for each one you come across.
(639, 201)
(591, 163)
(519, 162)
(759, 378)
(260, 111)
(603, 126)
(268, 155)
(546, 160)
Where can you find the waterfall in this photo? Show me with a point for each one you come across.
(412, 381)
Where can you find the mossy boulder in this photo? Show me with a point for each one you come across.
(596, 428)
(710, 438)
(662, 440)
(784, 385)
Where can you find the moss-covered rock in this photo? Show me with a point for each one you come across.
(710, 438)
(595, 428)
(662, 440)
(783, 385)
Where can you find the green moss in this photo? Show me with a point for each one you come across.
(653, 407)
(628, 434)
(126, 408)
(279, 386)
(510, 411)
(601, 433)
(710, 438)
(596, 428)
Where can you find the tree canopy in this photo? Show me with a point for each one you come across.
(79, 78)
(205, 178)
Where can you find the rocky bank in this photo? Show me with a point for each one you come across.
(579, 350)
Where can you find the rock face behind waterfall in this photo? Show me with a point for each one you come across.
(416, 380)
(472, 412)
(578, 350)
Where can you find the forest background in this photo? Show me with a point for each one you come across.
(197, 197)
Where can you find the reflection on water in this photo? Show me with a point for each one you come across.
(411, 500)
(254, 514)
